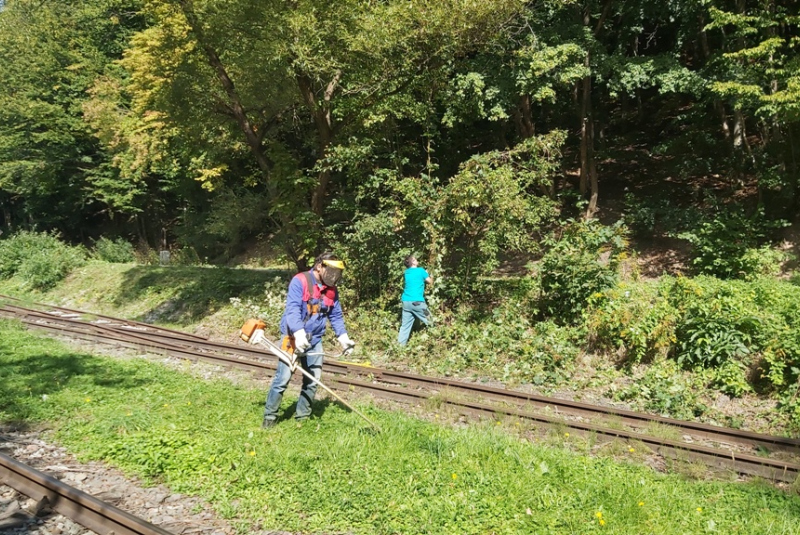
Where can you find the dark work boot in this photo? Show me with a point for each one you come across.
(267, 423)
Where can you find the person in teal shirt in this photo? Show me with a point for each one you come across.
(414, 306)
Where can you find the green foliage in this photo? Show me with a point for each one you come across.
(789, 403)
(742, 331)
(50, 55)
(582, 259)
(202, 438)
(489, 208)
(40, 260)
(117, 251)
(648, 216)
(635, 321)
(731, 378)
(710, 338)
(666, 390)
(548, 358)
(726, 244)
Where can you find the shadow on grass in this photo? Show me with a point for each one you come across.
(33, 377)
(202, 290)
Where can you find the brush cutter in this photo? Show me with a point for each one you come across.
(252, 332)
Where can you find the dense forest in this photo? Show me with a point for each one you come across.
(456, 128)
(476, 134)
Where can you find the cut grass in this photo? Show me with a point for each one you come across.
(331, 475)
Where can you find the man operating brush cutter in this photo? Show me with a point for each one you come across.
(311, 302)
(253, 332)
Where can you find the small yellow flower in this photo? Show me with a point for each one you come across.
(641, 504)
(699, 509)
(252, 454)
(602, 522)
(631, 450)
(599, 514)
(498, 423)
(188, 402)
(566, 435)
(88, 400)
(455, 476)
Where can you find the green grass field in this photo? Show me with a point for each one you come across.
(332, 475)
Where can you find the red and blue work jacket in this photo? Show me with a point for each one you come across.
(310, 307)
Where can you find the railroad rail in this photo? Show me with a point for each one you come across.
(767, 456)
(75, 504)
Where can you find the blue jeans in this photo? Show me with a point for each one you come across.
(311, 361)
(412, 310)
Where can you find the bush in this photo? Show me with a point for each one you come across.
(116, 251)
(647, 217)
(39, 259)
(666, 390)
(16, 249)
(729, 244)
(583, 260)
(729, 327)
(634, 320)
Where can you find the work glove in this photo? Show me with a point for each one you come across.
(347, 344)
(301, 343)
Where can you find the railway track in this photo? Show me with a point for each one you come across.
(772, 457)
(80, 507)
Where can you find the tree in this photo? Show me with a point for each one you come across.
(50, 163)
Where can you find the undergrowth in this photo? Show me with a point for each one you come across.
(331, 475)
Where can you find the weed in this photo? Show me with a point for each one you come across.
(114, 251)
(40, 260)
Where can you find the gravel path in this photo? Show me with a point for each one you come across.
(176, 513)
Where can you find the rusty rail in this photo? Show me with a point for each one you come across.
(82, 508)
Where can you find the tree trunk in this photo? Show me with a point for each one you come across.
(254, 141)
(588, 180)
(321, 113)
(522, 114)
(7, 218)
(719, 107)
(588, 183)
(234, 101)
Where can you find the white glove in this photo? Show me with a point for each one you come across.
(347, 344)
(257, 337)
(301, 342)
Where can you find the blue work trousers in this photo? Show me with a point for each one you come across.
(311, 361)
(412, 310)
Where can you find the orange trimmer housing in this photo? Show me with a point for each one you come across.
(250, 326)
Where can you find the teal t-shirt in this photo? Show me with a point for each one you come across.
(414, 289)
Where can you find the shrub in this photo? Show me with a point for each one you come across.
(635, 320)
(728, 244)
(728, 327)
(39, 259)
(649, 216)
(116, 251)
(16, 249)
(665, 389)
(548, 356)
(581, 261)
(184, 256)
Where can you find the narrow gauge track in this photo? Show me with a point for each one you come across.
(80, 507)
(744, 452)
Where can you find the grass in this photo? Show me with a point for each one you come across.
(333, 476)
(186, 297)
